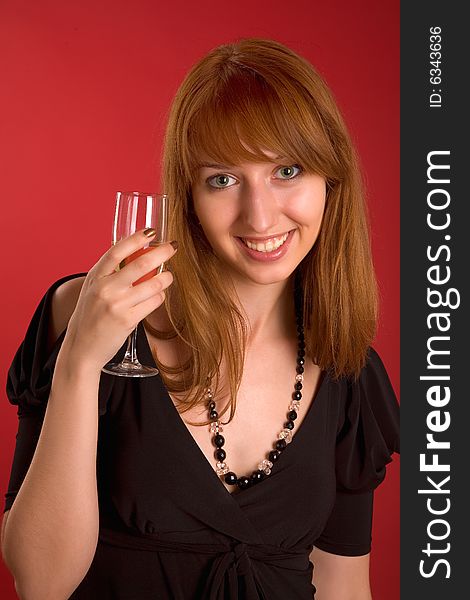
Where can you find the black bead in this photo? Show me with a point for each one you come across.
(274, 455)
(280, 445)
(300, 327)
(292, 415)
(297, 395)
(220, 454)
(298, 385)
(219, 440)
(230, 478)
(301, 353)
(213, 415)
(257, 476)
(301, 361)
(212, 406)
(300, 369)
(243, 482)
(302, 345)
(289, 425)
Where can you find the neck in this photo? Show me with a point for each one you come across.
(269, 310)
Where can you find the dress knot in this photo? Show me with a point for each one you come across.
(241, 558)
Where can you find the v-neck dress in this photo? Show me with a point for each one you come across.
(169, 529)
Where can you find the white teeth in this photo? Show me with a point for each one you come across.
(269, 246)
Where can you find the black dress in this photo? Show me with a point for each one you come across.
(169, 529)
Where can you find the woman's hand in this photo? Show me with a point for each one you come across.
(109, 306)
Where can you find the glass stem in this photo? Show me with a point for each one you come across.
(131, 352)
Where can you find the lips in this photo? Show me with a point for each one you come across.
(271, 249)
(266, 245)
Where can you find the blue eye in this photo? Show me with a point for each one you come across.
(221, 181)
(289, 172)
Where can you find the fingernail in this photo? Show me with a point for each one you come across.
(174, 243)
(150, 232)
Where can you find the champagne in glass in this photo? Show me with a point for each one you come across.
(135, 211)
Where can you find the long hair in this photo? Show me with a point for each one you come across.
(239, 101)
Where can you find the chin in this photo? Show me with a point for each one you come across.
(262, 278)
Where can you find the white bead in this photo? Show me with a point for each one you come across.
(265, 465)
(286, 434)
(222, 468)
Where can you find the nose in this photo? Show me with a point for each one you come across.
(260, 207)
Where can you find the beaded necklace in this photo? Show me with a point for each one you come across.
(284, 436)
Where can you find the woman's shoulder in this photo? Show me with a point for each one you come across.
(30, 373)
(372, 375)
(373, 387)
(372, 391)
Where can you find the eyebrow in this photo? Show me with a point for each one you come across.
(220, 166)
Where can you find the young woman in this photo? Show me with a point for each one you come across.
(254, 456)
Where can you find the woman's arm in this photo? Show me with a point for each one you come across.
(50, 533)
(340, 577)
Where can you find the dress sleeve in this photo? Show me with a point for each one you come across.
(28, 386)
(368, 434)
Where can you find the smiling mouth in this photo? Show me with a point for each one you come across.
(269, 245)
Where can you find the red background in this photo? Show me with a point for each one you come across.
(86, 86)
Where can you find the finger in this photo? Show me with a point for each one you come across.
(110, 260)
(144, 264)
(150, 288)
(144, 309)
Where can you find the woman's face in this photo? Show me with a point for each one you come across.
(261, 219)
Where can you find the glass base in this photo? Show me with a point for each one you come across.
(130, 369)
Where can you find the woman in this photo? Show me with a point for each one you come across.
(255, 455)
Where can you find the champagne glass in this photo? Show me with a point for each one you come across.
(135, 211)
